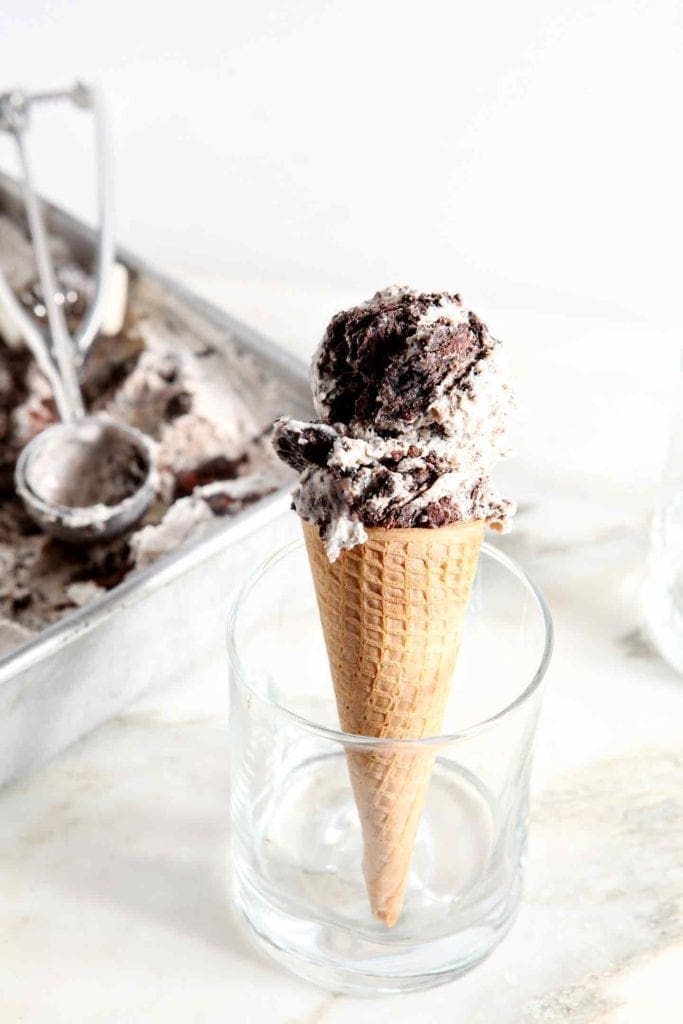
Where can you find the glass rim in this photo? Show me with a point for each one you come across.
(355, 739)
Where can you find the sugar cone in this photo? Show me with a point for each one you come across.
(392, 612)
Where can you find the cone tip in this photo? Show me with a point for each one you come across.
(388, 915)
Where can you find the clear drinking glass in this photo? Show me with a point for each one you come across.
(296, 835)
(663, 590)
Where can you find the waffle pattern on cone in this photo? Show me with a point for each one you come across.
(392, 612)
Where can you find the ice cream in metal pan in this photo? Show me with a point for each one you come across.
(86, 629)
(395, 493)
(165, 374)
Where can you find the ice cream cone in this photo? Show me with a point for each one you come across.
(392, 612)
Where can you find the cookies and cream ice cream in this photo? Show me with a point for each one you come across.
(206, 407)
(413, 397)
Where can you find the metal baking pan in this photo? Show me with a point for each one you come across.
(163, 624)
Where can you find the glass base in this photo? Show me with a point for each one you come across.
(351, 981)
(300, 886)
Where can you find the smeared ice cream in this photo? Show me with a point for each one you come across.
(189, 517)
(413, 398)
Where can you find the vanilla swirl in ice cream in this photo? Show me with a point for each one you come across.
(413, 398)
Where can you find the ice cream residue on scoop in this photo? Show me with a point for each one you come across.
(413, 398)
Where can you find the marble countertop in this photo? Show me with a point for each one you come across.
(113, 857)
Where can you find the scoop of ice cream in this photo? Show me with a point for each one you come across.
(413, 398)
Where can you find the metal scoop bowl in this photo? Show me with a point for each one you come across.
(86, 481)
(87, 478)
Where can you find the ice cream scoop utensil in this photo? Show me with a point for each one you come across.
(59, 354)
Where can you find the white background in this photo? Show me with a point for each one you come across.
(526, 154)
(303, 154)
